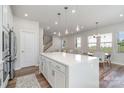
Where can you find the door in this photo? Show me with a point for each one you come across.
(27, 49)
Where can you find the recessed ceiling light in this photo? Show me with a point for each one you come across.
(56, 22)
(26, 14)
(54, 33)
(121, 15)
(66, 32)
(73, 11)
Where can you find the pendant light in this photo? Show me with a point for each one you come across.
(77, 28)
(76, 15)
(66, 30)
(58, 14)
(95, 36)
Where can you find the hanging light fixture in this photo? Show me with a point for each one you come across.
(66, 30)
(96, 35)
(58, 14)
(77, 28)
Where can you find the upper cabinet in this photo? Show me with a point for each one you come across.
(7, 17)
(4, 21)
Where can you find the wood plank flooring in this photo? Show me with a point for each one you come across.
(29, 70)
(110, 77)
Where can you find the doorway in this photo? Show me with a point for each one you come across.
(27, 49)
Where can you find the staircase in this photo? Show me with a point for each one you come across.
(47, 46)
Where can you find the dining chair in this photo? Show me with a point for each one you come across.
(101, 56)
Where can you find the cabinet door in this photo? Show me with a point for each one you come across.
(45, 69)
(51, 78)
(10, 17)
(5, 16)
(59, 79)
(41, 65)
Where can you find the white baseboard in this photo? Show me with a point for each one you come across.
(17, 68)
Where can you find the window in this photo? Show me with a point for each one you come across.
(91, 43)
(78, 42)
(63, 43)
(106, 42)
(121, 42)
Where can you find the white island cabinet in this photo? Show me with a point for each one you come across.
(64, 70)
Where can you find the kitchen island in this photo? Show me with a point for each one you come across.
(64, 70)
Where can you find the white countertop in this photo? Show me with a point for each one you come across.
(70, 59)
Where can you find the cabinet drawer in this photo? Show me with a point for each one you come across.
(60, 67)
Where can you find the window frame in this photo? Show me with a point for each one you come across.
(118, 42)
(111, 41)
(92, 43)
(76, 43)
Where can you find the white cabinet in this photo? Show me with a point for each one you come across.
(59, 79)
(5, 16)
(53, 72)
(41, 65)
(10, 17)
(45, 68)
(51, 79)
(7, 21)
(65, 71)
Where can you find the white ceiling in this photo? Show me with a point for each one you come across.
(86, 16)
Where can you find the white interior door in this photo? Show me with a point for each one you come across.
(27, 49)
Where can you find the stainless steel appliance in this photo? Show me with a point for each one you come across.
(5, 53)
(6, 68)
(5, 43)
(12, 51)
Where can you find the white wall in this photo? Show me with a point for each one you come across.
(26, 25)
(114, 29)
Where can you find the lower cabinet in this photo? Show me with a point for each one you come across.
(1, 75)
(53, 72)
(45, 69)
(59, 79)
(51, 79)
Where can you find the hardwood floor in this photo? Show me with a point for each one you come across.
(29, 70)
(112, 77)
